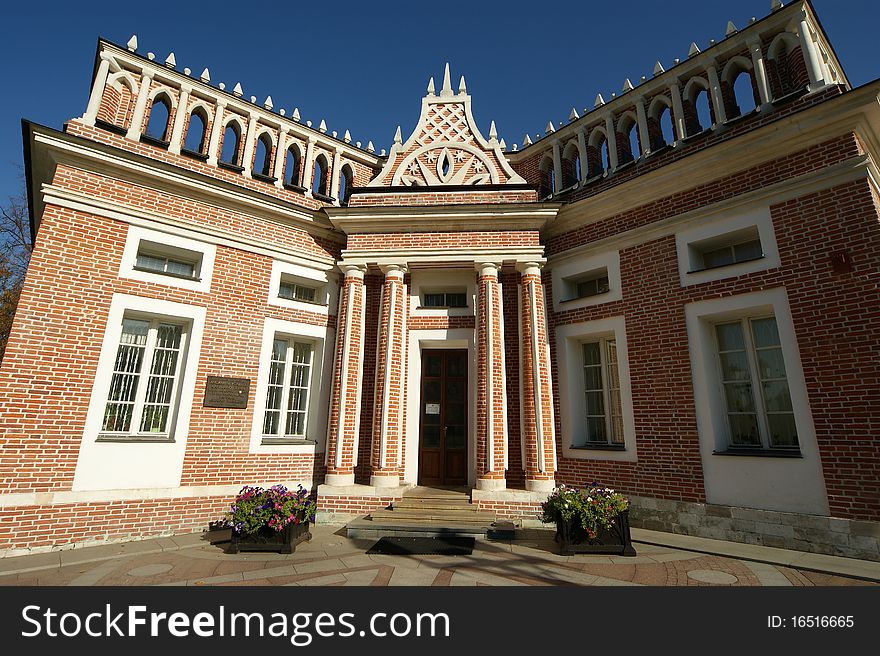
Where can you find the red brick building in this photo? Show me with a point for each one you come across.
(221, 295)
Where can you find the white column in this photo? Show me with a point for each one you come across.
(309, 165)
(612, 142)
(811, 54)
(717, 96)
(582, 153)
(216, 128)
(97, 90)
(247, 158)
(761, 80)
(280, 154)
(557, 168)
(644, 135)
(179, 119)
(334, 176)
(137, 118)
(677, 112)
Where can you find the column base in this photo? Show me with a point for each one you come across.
(384, 481)
(533, 485)
(339, 479)
(491, 484)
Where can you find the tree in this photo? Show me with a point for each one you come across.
(15, 253)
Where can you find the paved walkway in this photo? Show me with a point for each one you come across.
(533, 559)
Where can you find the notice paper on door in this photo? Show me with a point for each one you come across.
(432, 408)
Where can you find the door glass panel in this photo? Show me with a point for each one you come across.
(431, 437)
(432, 391)
(455, 390)
(454, 437)
(456, 366)
(433, 365)
(455, 413)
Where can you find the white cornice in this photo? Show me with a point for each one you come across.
(206, 91)
(444, 256)
(443, 218)
(121, 164)
(856, 111)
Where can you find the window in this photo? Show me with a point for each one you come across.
(755, 386)
(166, 260)
(143, 393)
(319, 179)
(723, 250)
(291, 167)
(604, 415)
(346, 179)
(580, 281)
(263, 157)
(295, 291)
(287, 397)
(593, 285)
(159, 120)
(456, 299)
(196, 131)
(229, 151)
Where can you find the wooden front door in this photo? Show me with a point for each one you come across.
(443, 428)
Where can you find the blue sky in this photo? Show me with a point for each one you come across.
(364, 66)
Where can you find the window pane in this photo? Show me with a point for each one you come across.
(783, 432)
(596, 429)
(433, 365)
(150, 262)
(455, 390)
(776, 397)
(160, 385)
(435, 300)
(739, 397)
(592, 378)
(770, 363)
(432, 391)
(595, 403)
(734, 366)
(718, 257)
(298, 389)
(730, 336)
(181, 268)
(747, 251)
(456, 300)
(765, 332)
(455, 413)
(455, 437)
(126, 374)
(277, 366)
(744, 430)
(456, 366)
(591, 353)
(431, 437)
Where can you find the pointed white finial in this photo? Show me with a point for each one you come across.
(447, 85)
(462, 87)
(151, 56)
(502, 145)
(431, 91)
(493, 133)
(658, 68)
(132, 44)
(549, 128)
(382, 153)
(731, 29)
(527, 140)
(268, 103)
(574, 115)
(295, 115)
(170, 61)
(775, 5)
(397, 138)
(237, 90)
(694, 49)
(643, 79)
(627, 85)
(613, 95)
(347, 137)
(205, 76)
(676, 61)
(187, 71)
(599, 101)
(370, 147)
(322, 127)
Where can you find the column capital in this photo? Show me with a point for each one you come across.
(352, 270)
(107, 57)
(487, 268)
(392, 269)
(530, 268)
(312, 139)
(222, 103)
(147, 75)
(186, 88)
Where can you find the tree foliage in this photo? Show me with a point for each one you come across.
(15, 253)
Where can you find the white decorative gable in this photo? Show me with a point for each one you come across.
(446, 147)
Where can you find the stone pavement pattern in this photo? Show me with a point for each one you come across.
(332, 559)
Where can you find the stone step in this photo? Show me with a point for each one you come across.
(460, 495)
(431, 514)
(438, 504)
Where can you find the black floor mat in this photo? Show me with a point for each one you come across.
(450, 546)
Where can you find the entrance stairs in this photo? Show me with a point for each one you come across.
(431, 512)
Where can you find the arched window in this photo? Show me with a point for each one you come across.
(661, 129)
(571, 165)
(319, 179)
(229, 152)
(196, 131)
(157, 124)
(346, 180)
(263, 156)
(631, 147)
(547, 178)
(738, 87)
(703, 110)
(598, 159)
(785, 65)
(292, 163)
(744, 93)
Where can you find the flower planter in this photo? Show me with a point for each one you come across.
(268, 539)
(617, 540)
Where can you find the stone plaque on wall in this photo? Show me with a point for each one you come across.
(225, 392)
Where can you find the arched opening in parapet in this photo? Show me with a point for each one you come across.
(196, 131)
(547, 177)
(159, 119)
(571, 165)
(346, 181)
(263, 155)
(292, 165)
(319, 178)
(229, 150)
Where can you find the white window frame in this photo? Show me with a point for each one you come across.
(753, 479)
(283, 410)
(606, 394)
(568, 270)
(424, 281)
(321, 338)
(572, 402)
(321, 280)
(126, 463)
(687, 243)
(175, 245)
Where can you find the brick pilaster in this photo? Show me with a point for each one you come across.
(491, 438)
